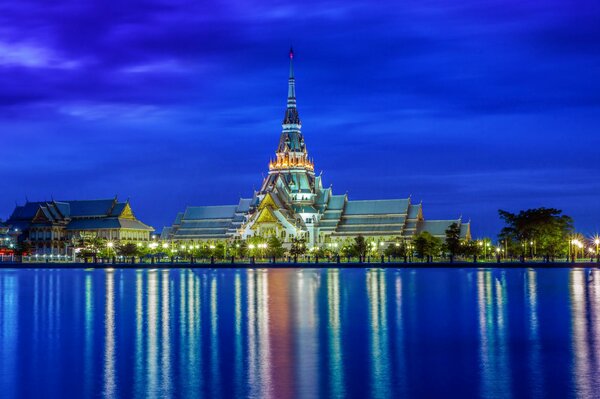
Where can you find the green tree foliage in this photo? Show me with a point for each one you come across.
(359, 247)
(426, 245)
(275, 247)
(220, 250)
(548, 228)
(298, 247)
(397, 249)
(239, 248)
(469, 248)
(452, 243)
(91, 245)
(128, 250)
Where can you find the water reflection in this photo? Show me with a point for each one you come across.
(259, 358)
(89, 335)
(535, 363)
(109, 390)
(585, 308)
(336, 359)
(299, 333)
(380, 368)
(492, 305)
(9, 333)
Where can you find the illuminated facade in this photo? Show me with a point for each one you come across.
(292, 202)
(52, 227)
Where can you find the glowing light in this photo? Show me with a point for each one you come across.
(110, 244)
(251, 246)
(212, 247)
(165, 245)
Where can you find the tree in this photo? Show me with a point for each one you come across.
(240, 248)
(275, 247)
(91, 245)
(298, 247)
(547, 228)
(219, 251)
(128, 250)
(22, 248)
(397, 249)
(426, 244)
(452, 243)
(359, 247)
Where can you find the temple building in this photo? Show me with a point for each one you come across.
(54, 227)
(292, 202)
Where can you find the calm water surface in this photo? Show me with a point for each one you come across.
(300, 333)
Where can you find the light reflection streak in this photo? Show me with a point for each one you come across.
(151, 335)
(585, 378)
(336, 361)
(194, 325)
(252, 343)
(307, 337)
(139, 381)
(594, 309)
(402, 389)
(9, 333)
(264, 357)
(259, 356)
(165, 343)
(89, 335)
(535, 365)
(214, 339)
(380, 367)
(238, 335)
(492, 306)
(109, 390)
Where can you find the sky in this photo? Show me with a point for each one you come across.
(468, 106)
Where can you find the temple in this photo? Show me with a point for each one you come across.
(53, 227)
(292, 203)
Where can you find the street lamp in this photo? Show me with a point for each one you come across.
(109, 245)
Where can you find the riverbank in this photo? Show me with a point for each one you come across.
(301, 265)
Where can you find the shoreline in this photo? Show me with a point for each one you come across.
(299, 265)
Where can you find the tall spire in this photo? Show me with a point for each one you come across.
(291, 151)
(291, 113)
(291, 101)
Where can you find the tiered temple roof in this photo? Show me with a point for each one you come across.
(292, 201)
(77, 215)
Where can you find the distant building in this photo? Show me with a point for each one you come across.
(7, 240)
(292, 202)
(54, 227)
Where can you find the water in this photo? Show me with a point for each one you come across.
(300, 333)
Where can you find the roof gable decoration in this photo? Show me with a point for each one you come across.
(40, 216)
(266, 216)
(127, 213)
(267, 201)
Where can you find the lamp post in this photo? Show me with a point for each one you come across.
(109, 246)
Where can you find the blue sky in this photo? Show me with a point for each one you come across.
(469, 106)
